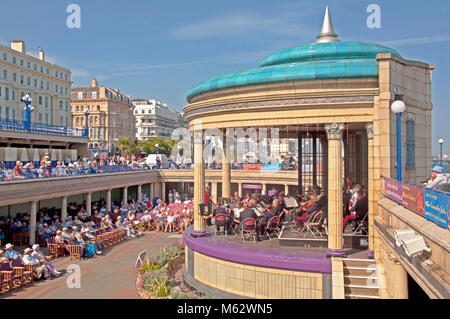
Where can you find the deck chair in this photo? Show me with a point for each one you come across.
(177, 225)
(220, 221)
(18, 271)
(54, 250)
(6, 275)
(313, 225)
(74, 251)
(17, 239)
(28, 274)
(151, 225)
(272, 226)
(24, 236)
(248, 228)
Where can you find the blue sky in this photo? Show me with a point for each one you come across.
(162, 48)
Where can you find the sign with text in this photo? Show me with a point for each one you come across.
(437, 207)
(255, 167)
(393, 190)
(272, 167)
(413, 198)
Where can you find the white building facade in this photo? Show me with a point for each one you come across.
(46, 83)
(155, 119)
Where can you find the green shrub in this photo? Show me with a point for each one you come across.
(178, 294)
(165, 254)
(157, 282)
(149, 266)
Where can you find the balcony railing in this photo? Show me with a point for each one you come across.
(59, 171)
(9, 125)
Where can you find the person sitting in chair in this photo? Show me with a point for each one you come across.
(358, 211)
(437, 178)
(38, 266)
(44, 260)
(249, 212)
(221, 210)
(317, 202)
(272, 210)
(11, 253)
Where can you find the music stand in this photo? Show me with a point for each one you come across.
(290, 202)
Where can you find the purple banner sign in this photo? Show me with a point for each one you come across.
(393, 190)
(252, 186)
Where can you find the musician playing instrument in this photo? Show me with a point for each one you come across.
(315, 196)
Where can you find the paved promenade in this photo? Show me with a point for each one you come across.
(110, 276)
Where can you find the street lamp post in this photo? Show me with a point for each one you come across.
(157, 148)
(441, 142)
(398, 107)
(86, 129)
(28, 109)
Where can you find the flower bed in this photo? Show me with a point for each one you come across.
(156, 278)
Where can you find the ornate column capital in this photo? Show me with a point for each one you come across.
(369, 130)
(334, 130)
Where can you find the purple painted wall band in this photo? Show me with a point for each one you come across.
(260, 257)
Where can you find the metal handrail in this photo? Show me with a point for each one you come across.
(10, 125)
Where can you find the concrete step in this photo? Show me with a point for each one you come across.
(359, 271)
(360, 280)
(354, 262)
(361, 290)
(350, 296)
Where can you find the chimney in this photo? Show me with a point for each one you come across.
(18, 45)
(41, 55)
(94, 83)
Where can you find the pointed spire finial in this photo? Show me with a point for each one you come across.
(327, 34)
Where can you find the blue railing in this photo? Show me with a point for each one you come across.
(9, 125)
(36, 173)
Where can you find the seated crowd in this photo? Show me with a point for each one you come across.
(89, 233)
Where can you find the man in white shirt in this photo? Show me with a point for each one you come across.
(437, 178)
(39, 267)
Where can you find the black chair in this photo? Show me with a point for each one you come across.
(220, 220)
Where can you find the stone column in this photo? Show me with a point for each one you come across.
(335, 218)
(139, 195)
(199, 180)
(372, 204)
(152, 189)
(163, 191)
(226, 174)
(125, 196)
(240, 190)
(401, 281)
(108, 200)
(264, 189)
(89, 204)
(63, 208)
(32, 231)
(286, 189)
(214, 191)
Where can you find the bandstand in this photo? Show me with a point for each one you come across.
(335, 97)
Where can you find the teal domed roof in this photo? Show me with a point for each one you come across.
(332, 60)
(326, 59)
(327, 51)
